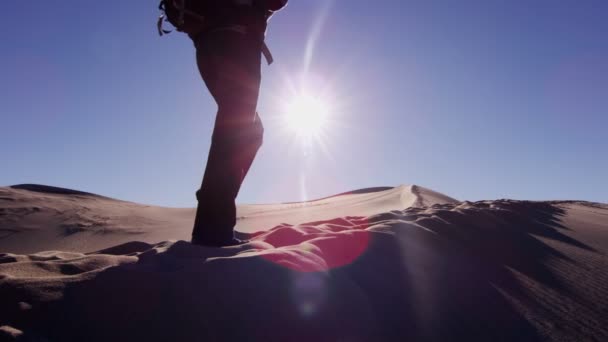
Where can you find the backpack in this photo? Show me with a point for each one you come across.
(188, 16)
(185, 15)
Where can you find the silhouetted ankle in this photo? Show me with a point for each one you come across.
(217, 243)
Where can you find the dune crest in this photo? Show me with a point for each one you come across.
(38, 217)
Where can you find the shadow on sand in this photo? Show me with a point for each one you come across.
(446, 272)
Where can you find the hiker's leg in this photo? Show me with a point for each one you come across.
(230, 66)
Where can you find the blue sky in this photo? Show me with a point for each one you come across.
(476, 99)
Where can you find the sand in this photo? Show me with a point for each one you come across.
(381, 264)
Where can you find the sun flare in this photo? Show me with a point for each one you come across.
(306, 115)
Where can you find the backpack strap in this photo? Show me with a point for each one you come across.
(267, 54)
(161, 19)
(159, 26)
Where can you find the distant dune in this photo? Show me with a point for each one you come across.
(378, 264)
(38, 217)
(52, 190)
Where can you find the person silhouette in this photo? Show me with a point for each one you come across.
(228, 55)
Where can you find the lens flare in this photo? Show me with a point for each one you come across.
(306, 115)
(309, 292)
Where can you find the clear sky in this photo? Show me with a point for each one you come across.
(475, 99)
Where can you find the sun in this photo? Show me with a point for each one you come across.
(306, 115)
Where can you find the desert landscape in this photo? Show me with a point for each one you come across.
(422, 171)
(377, 264)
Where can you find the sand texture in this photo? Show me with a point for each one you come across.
(381, 264)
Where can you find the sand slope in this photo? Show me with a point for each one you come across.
(35, 217)
(436, 269)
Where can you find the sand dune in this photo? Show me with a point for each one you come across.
(36, 217)
(391, 264)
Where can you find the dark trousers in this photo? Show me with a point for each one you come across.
(229, 63)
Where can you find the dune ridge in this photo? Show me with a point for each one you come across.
(37, 217)
(53, 190)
